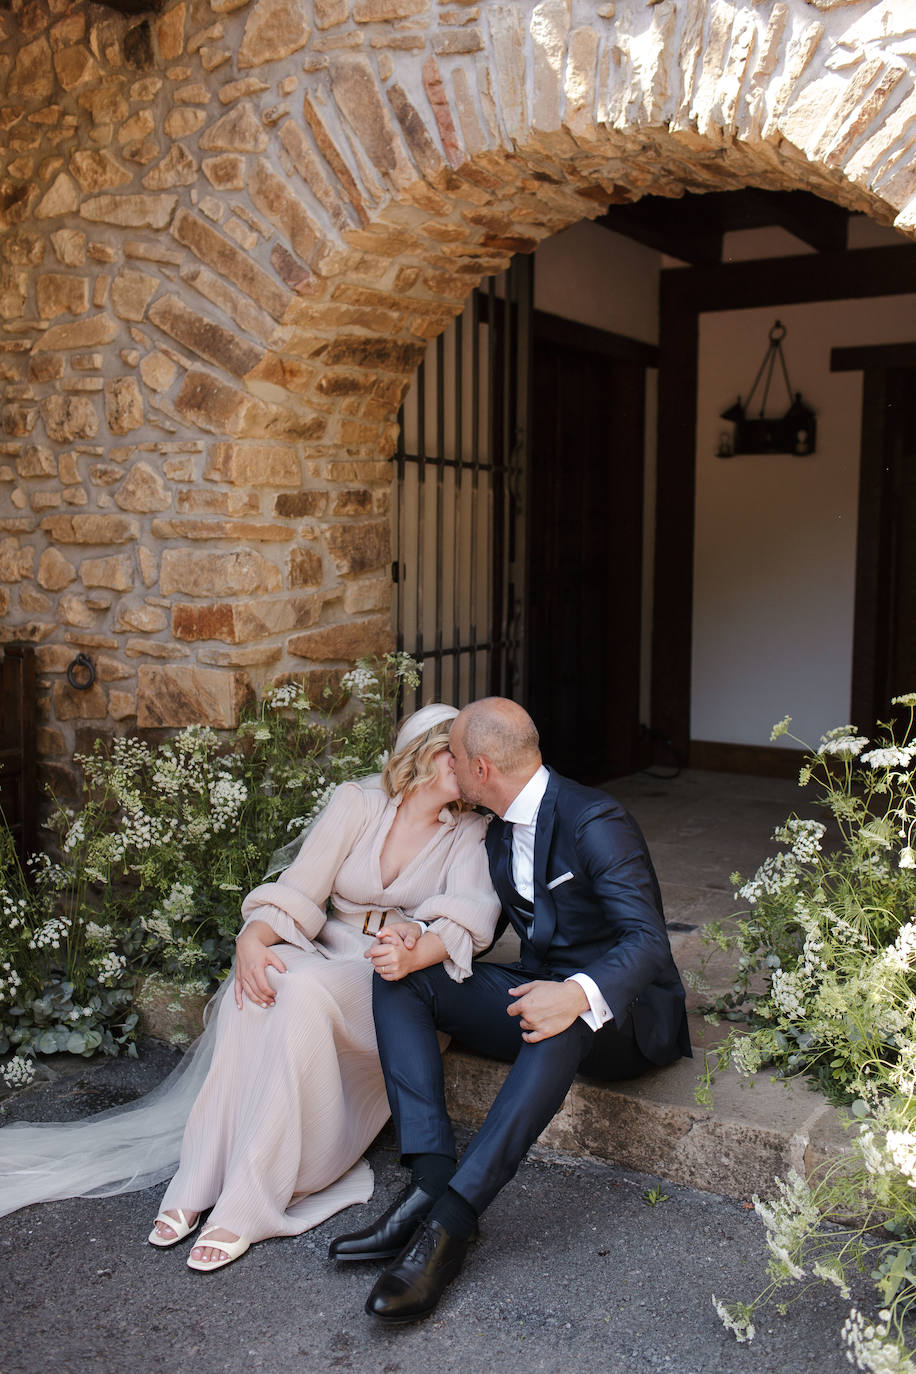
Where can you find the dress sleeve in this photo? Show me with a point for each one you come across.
(294, 905)
(464, 914)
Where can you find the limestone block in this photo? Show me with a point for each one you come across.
(344, 643)
(204, 337)
(74, 611)
(32, 74)
(450, 42)
(106, 103)
(61, 198)
(130, 211)
(271, 195)
(550, 33)
(98, 171)
(205, 401)
(19, 419)
(177, 168)
(274, 29)
(67, 31)
(131, 293)
(230, 262)
(170, 32)
(329, 13)
(53, 658)
(179, 469)
(305, 568)
(357, 95)
(71, 704)
(422, 147)
(239, 131)
(356, 501)
(141, 617)
(49, 742)
(257, 655)
(123, 405)
(387, 11)
(235, 90)
(111, 669)
(69, 417)
(181, 122)
(98, 329)
(174, 695)
(241, 622)
(122, 705)
(89, 529)
(158, 371)
(301, 503)
(225, 172)
(507, 40)
(369, 594)
(76, 66)
(45, 369)
(115, 571)
(149, 565)
(16, 562)
(254, 465)
(54, 571)
(197, 502)
(70, 247)
(14, 288)
(22, 249)
(194, 94)
(196, 573)
(143, 491)
(255, 532)
(57, 294)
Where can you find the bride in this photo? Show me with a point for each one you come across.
(286, 1086)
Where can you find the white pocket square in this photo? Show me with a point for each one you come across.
(563, 878)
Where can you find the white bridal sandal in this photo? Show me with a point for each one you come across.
(180, 1225)
(232, 1250)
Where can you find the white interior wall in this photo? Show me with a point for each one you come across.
(776, 535)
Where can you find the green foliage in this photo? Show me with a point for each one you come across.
(826, 982)
(153, 867)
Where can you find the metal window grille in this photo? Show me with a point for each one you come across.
(458, 520)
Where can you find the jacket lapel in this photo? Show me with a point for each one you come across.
(545, 911)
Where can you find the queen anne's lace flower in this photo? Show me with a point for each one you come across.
(891, 757)
(19, 1072)
(736, 1318)
(869, 1347)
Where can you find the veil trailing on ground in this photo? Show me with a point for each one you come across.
(138, 1145)
(130, 1147)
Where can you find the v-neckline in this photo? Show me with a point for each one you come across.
(394, 804)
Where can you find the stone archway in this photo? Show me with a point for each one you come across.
(231, 230)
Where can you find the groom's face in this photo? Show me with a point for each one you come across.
(464, 773)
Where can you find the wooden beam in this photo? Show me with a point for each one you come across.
(872, 357)
(796, 280)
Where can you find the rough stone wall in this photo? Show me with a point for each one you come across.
(229, 229)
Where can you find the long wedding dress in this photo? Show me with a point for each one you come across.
(279, 1102)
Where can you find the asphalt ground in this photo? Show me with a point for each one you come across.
(575, 1273)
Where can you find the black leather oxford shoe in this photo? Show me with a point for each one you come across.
(387, 1236)
(412, 1286)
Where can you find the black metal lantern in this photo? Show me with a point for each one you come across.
(795, 432)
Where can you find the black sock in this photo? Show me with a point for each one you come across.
(455, 1214)
(432, 1173)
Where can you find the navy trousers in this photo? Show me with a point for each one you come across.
(408, 1014)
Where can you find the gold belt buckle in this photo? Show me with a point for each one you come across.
(382, 915)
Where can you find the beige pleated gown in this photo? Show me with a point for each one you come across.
(295, 1092)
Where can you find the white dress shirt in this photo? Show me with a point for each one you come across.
(522, 815)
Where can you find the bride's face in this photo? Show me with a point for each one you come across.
(445, 784)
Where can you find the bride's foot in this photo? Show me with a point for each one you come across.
(221, 1248)
(172, 1226)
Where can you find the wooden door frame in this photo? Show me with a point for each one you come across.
(685, 294)
(869, 646)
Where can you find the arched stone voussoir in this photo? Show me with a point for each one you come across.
(230, 230)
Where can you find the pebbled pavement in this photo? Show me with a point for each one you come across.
(574, 1274)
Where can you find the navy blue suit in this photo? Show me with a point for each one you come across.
(606, 921)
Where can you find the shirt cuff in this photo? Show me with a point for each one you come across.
(598, 1010)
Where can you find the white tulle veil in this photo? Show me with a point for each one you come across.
(137, 1145)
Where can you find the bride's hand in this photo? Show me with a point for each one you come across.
(252, 960)
(392, 953)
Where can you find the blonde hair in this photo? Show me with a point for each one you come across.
(416, 764)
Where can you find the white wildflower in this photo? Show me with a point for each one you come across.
(19, 1072)
(788, 993)
(110, 968)
(901, 1146)
(907, 699)
(844, 746)
(907, 858)
(736, 1318)
(781, 727)
(831, 1272)
(891, 757)
(871, 1350)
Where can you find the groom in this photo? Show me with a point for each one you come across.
(595, 991)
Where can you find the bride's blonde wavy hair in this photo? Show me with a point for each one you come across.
(416, 764)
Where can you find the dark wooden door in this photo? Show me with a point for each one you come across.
(585, 498)
(900, 546)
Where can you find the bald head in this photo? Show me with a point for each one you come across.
(494, 743)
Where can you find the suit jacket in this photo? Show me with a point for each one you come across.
(605, 920)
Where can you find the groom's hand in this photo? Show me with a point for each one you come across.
(546, 1008)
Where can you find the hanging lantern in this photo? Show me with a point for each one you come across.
(794, 432)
